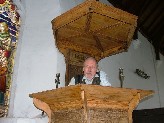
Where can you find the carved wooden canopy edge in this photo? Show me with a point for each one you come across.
(94, 28)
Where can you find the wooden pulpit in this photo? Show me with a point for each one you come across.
(89, 104)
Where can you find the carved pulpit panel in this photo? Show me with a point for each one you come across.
(74, 64)
(89, 104)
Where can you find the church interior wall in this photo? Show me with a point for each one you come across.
(38, 60)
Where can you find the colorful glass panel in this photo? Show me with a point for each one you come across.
(9, 29)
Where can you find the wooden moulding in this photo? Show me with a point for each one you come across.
(89, 103)
(94, 28)
(74, 64)
(93, 6)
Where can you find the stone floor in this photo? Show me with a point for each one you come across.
(24, 120)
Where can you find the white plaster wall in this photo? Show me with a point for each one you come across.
(24, 120)
(37, 56)
(140, 57)
(160, 78)
(69, 4)
(38, 60)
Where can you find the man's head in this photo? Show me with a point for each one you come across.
(90, 68)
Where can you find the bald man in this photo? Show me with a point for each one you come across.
(91, 74)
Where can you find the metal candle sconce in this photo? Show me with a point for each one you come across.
(57, 80)
(121, 76)
(142, 74)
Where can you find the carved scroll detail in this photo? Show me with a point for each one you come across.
(43, 106)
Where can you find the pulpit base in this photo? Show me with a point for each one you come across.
(99, 115)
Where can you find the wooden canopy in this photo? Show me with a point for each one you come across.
(94, 28)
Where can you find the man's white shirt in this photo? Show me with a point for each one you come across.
(103, 78)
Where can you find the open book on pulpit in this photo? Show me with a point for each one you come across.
(89, 103)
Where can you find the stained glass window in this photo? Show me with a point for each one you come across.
(9, 29)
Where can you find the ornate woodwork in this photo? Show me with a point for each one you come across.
(74, 62)
(89, 104)
(95, 29)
